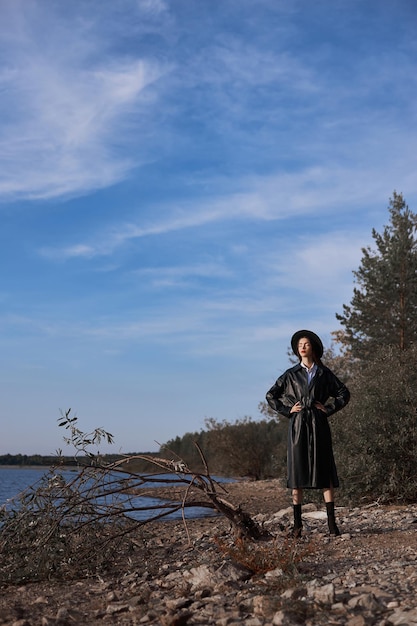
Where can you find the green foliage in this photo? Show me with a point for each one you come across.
(255, 449)
(81, 441)
(34, 460)
(383, 309)
(376, 435)
(339, 359)
(184, 448)
(248, 448)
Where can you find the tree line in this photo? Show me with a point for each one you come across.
(374, 351)
(245, 448)
(39, 460)
(20, 460)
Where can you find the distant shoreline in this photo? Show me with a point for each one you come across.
(39, 467)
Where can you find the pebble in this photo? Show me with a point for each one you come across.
(365, 577)
(366, 582)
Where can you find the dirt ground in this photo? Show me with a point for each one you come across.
(88, 601)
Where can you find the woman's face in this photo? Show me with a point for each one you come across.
(305, 349)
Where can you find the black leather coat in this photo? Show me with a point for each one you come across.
(310, 457)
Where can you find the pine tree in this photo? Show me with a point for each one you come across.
(376, 440)
(383, 309)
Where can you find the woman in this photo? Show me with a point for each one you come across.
(308, 394)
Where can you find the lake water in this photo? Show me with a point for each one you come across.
(15, 480)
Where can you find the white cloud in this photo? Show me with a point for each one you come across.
(106, 243)
(153, 6)
(180, 276)
(241, 63)
(307, 278)
(315, 191)
(315, 271)
(63, 103)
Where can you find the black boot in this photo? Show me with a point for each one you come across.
(298, 524)
(331, 522)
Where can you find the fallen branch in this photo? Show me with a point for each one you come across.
(64, 528)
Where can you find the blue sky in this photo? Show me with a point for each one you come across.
(184, 184)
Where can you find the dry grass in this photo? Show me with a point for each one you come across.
(260, 557)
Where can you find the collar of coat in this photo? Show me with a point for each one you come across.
(319, 372)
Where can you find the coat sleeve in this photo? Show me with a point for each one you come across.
(339, 395)
(276, 397)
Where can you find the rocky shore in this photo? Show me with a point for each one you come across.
(189, 574)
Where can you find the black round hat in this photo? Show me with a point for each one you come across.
(315, 340)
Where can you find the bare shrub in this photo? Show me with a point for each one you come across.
(58, 529)
(262, 557)
(67, 528)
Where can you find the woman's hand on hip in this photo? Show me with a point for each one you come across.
(320, 406)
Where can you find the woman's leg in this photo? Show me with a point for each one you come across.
(297, 496)
(328, 494)
(297, 499)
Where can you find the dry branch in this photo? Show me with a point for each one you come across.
(63, 528)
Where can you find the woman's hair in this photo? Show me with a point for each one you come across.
(316, 360)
